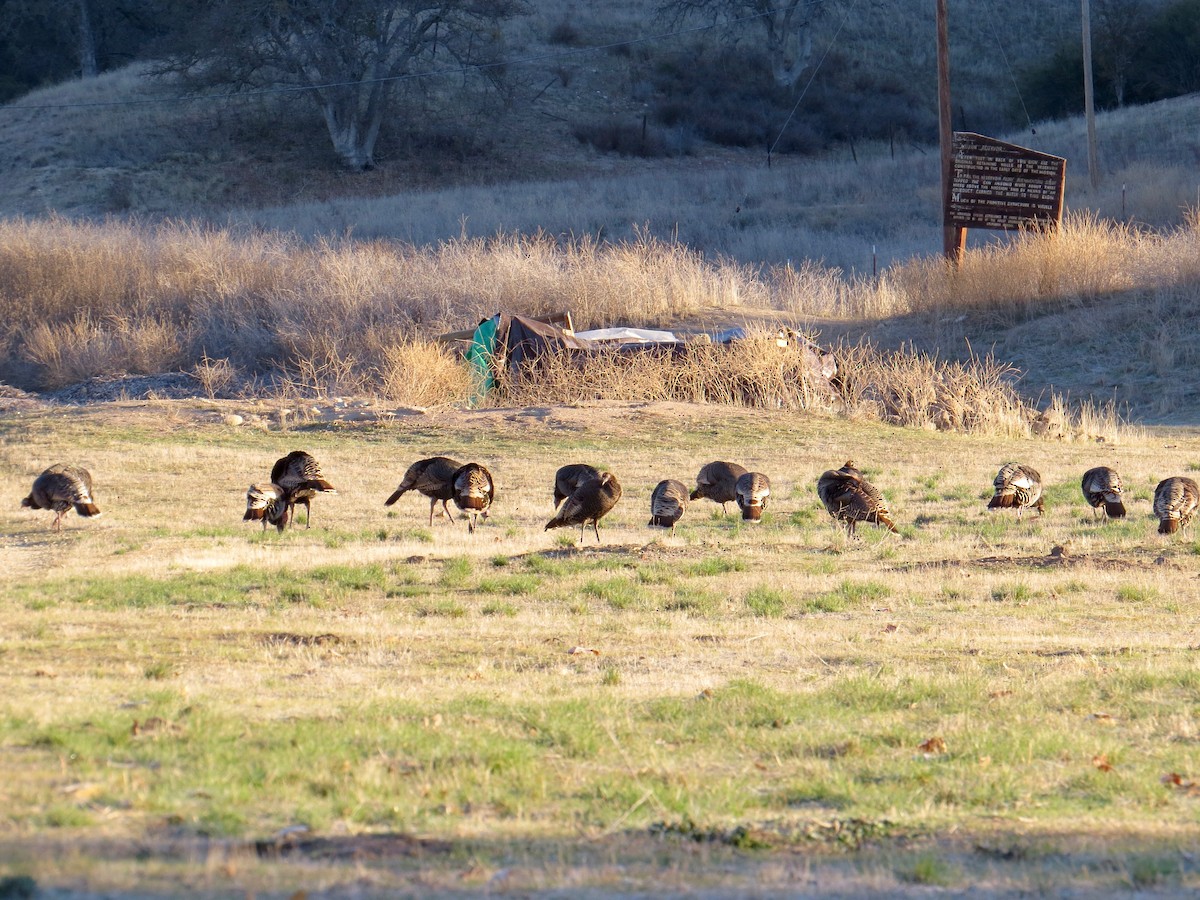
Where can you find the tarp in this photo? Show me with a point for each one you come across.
(480, 355)
(518, 343)
(628, 335)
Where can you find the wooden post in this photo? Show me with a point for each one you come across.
(1089, 104)
(953, 238)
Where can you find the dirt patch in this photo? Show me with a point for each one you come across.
(300, 640)
(1142, 560)
(352, 848)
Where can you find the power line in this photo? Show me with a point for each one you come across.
(1012, 76)
(412, 76)
(811, 78)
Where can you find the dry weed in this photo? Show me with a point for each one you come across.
(753, 372)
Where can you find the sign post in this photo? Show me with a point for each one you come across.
(954, 239)
(1002, 186)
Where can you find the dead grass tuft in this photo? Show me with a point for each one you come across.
(753, 372)
(916, 389)
(1042, 270)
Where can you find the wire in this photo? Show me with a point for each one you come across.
(812, 77)
(1007, 65)
(440, 73)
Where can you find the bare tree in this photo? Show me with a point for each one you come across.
(1121, 27)
(68, 22)
(786, 24)
(347, 54)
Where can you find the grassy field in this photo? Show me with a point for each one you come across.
(375, 706)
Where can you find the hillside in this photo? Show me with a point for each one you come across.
(121, 144)
(470, 170)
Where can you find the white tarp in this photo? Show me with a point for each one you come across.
(628, 335)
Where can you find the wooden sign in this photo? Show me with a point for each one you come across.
(1001, 186)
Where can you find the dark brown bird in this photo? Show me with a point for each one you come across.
(752, 491)
(300, 476)
(474, 492)
(718, 482)
(668, 502)
(267, 503)
(1017, 487)
(568, 478)
(61, 487)
(591, 502)
(1102, 488)
(851, 499)
(433, 477)
(1175, 502)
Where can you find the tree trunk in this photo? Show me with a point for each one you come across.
(353, 140)
(87, 41)
(789, 44)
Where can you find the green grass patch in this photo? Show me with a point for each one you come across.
(766, 602)
(619, 593)
(717, 565)
(511, 584)
(456, 572)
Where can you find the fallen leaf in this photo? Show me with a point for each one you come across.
(1102, 719)
(1100, 761)
(932, 746)
(995, 694)
(705, 694)
(889, 628)
(581, 651)
(984, 762)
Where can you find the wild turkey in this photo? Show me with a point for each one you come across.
(849, 498)
(668, 502)
(1175, 502)
(1102, 488)
(267, 503)
(61, 487)
(474, 492)
(300, 476)
(591, 502)
(568, 478)
(1017, 487)
(433, 477)
(752, 490)
(718, 482)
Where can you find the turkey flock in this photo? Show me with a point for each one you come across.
(583, 494)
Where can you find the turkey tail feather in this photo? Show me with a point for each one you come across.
(396, 496)
(1115, 509)
(1168, 526)
(1003, 501)
(87, 510)
(317, 484)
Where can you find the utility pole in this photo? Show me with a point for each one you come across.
(1089, 104)
(953, 237)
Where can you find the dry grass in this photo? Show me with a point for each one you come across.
(355, 318)
(754, 372)
(1085, 262)
(374, 676)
